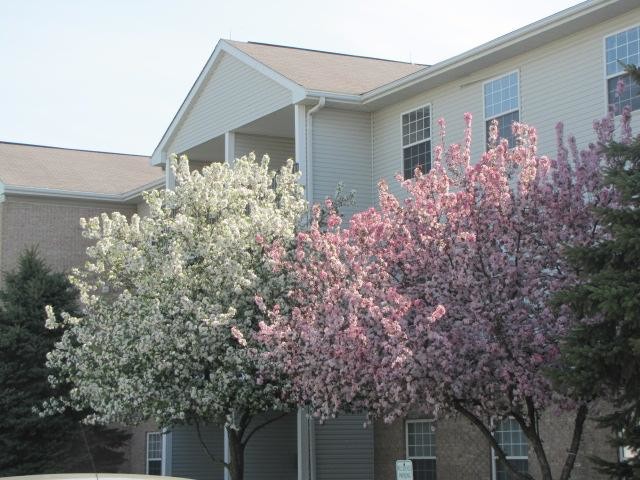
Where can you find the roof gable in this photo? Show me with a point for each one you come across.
(325, 71)
(230, 95)
(368, 83)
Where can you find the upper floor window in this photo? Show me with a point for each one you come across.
(421, 448)
(502, 103)
(154, 453)
(514, 443)
(416, 141)
(622, 48)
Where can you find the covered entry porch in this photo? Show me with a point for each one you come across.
(294, 447)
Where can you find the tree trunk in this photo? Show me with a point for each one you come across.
(545, 468)
(578, 427)
(236, 454)
(530, 429)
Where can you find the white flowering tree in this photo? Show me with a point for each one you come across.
(169, 305)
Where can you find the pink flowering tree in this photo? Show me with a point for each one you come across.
(438, 301)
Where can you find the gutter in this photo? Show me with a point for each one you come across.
(348, 98)
(309, 174)
(518, 36)
(78, 195)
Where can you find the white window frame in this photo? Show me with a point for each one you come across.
(494, 457)
(154, 459)
(402, 146)
(406, 435)
(626, 453)
(518, 96)
(606, 76)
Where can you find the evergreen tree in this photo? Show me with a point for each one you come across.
(29, 443)
(603, 356)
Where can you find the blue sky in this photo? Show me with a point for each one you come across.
(110, 74)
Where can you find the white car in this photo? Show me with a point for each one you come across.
(92, 476)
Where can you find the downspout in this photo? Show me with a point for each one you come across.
(309, 122)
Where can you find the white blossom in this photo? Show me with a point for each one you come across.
(169, 300)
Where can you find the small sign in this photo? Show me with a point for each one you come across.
(404, 470)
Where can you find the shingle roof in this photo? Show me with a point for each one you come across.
(326, 71)
(36, 166)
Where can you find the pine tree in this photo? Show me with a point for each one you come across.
(603, 356)
(29, 443)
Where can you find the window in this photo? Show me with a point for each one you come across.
(622, 47)
(154, 453)
(421, 448)
(416, 141)
(627, 453)
(502, 103)
(514, 443)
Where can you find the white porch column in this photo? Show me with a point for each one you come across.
(306, 446)
(227, 456)
(170, 178)
(229, 147)
(167, 453)
(301, 148)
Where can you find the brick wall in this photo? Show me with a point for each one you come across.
(54, 227)
(464, 454)
(51, 225)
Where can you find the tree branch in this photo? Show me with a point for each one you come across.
(206, 449)
(533, 436)
(496, 446)
(581, 416)
(261, 426)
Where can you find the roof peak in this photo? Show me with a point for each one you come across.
(22, 144)
(329, 52)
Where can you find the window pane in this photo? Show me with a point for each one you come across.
(154, 445)
(424, 469)
(511, 438)
(418, 155)
(621, 47)
(422, 439)
(154, 453)
(501, 95)
(504, 127)
(416, 126)
(155, 467)
(630, 94)
(502, 473)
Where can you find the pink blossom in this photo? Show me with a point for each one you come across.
(619, 87)
(440, 296)
(333, 221)
(438, 313)
(260, 303)
(237, 334)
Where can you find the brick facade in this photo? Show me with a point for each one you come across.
(51, 225)
(464, 454)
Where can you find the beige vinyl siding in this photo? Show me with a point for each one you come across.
(233, 94)
(272, 452)
(341, 152)
(279, 149)
(562, 81)
(344, 449)
(188, 458)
